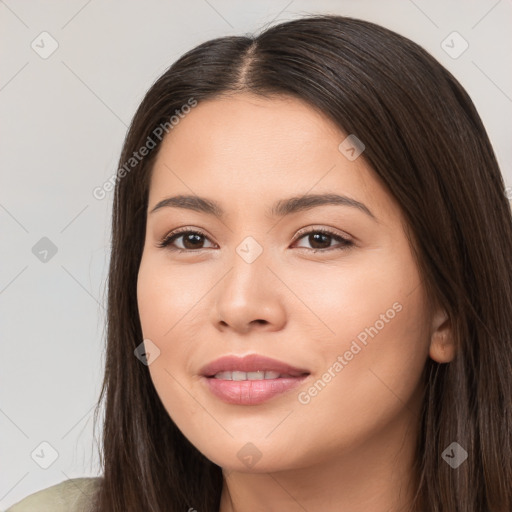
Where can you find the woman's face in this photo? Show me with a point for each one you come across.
(350, 317)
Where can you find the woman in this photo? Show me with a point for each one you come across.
(310, 286)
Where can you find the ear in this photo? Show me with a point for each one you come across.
(442, 344)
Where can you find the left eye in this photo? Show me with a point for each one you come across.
(320, 239)
(324, 236)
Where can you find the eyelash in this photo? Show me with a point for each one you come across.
(171, 237)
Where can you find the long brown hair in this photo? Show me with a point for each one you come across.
(426, 142)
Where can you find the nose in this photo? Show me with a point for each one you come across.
(249, 297)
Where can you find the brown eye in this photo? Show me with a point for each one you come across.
(191, 240)
(320, 240)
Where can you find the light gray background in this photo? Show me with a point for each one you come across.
(63, 123)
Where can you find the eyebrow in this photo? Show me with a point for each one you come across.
(281, 208)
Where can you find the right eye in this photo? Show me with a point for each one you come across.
(191, 242)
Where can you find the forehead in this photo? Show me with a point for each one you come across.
(245, 125)
(248, 150)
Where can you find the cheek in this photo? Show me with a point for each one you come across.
(165, 298)
(173, 311)
(371, 357)
(367, 297)
(166, 295)
(374, 367)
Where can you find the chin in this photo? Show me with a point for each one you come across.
(253, 456)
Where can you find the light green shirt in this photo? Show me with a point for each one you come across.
(73, 495)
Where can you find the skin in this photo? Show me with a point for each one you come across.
(351, 447)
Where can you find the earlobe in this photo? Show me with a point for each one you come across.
(442, 344)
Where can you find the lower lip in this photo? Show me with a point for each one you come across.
(251, 392)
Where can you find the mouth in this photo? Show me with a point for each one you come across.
(257, 375)
(250, 367)
(250, 380)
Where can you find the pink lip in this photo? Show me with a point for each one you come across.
(250, 392)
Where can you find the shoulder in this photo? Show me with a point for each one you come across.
(73, 495)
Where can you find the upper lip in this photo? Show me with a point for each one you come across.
(250, 363)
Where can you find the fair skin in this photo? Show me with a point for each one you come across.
(350, 446)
